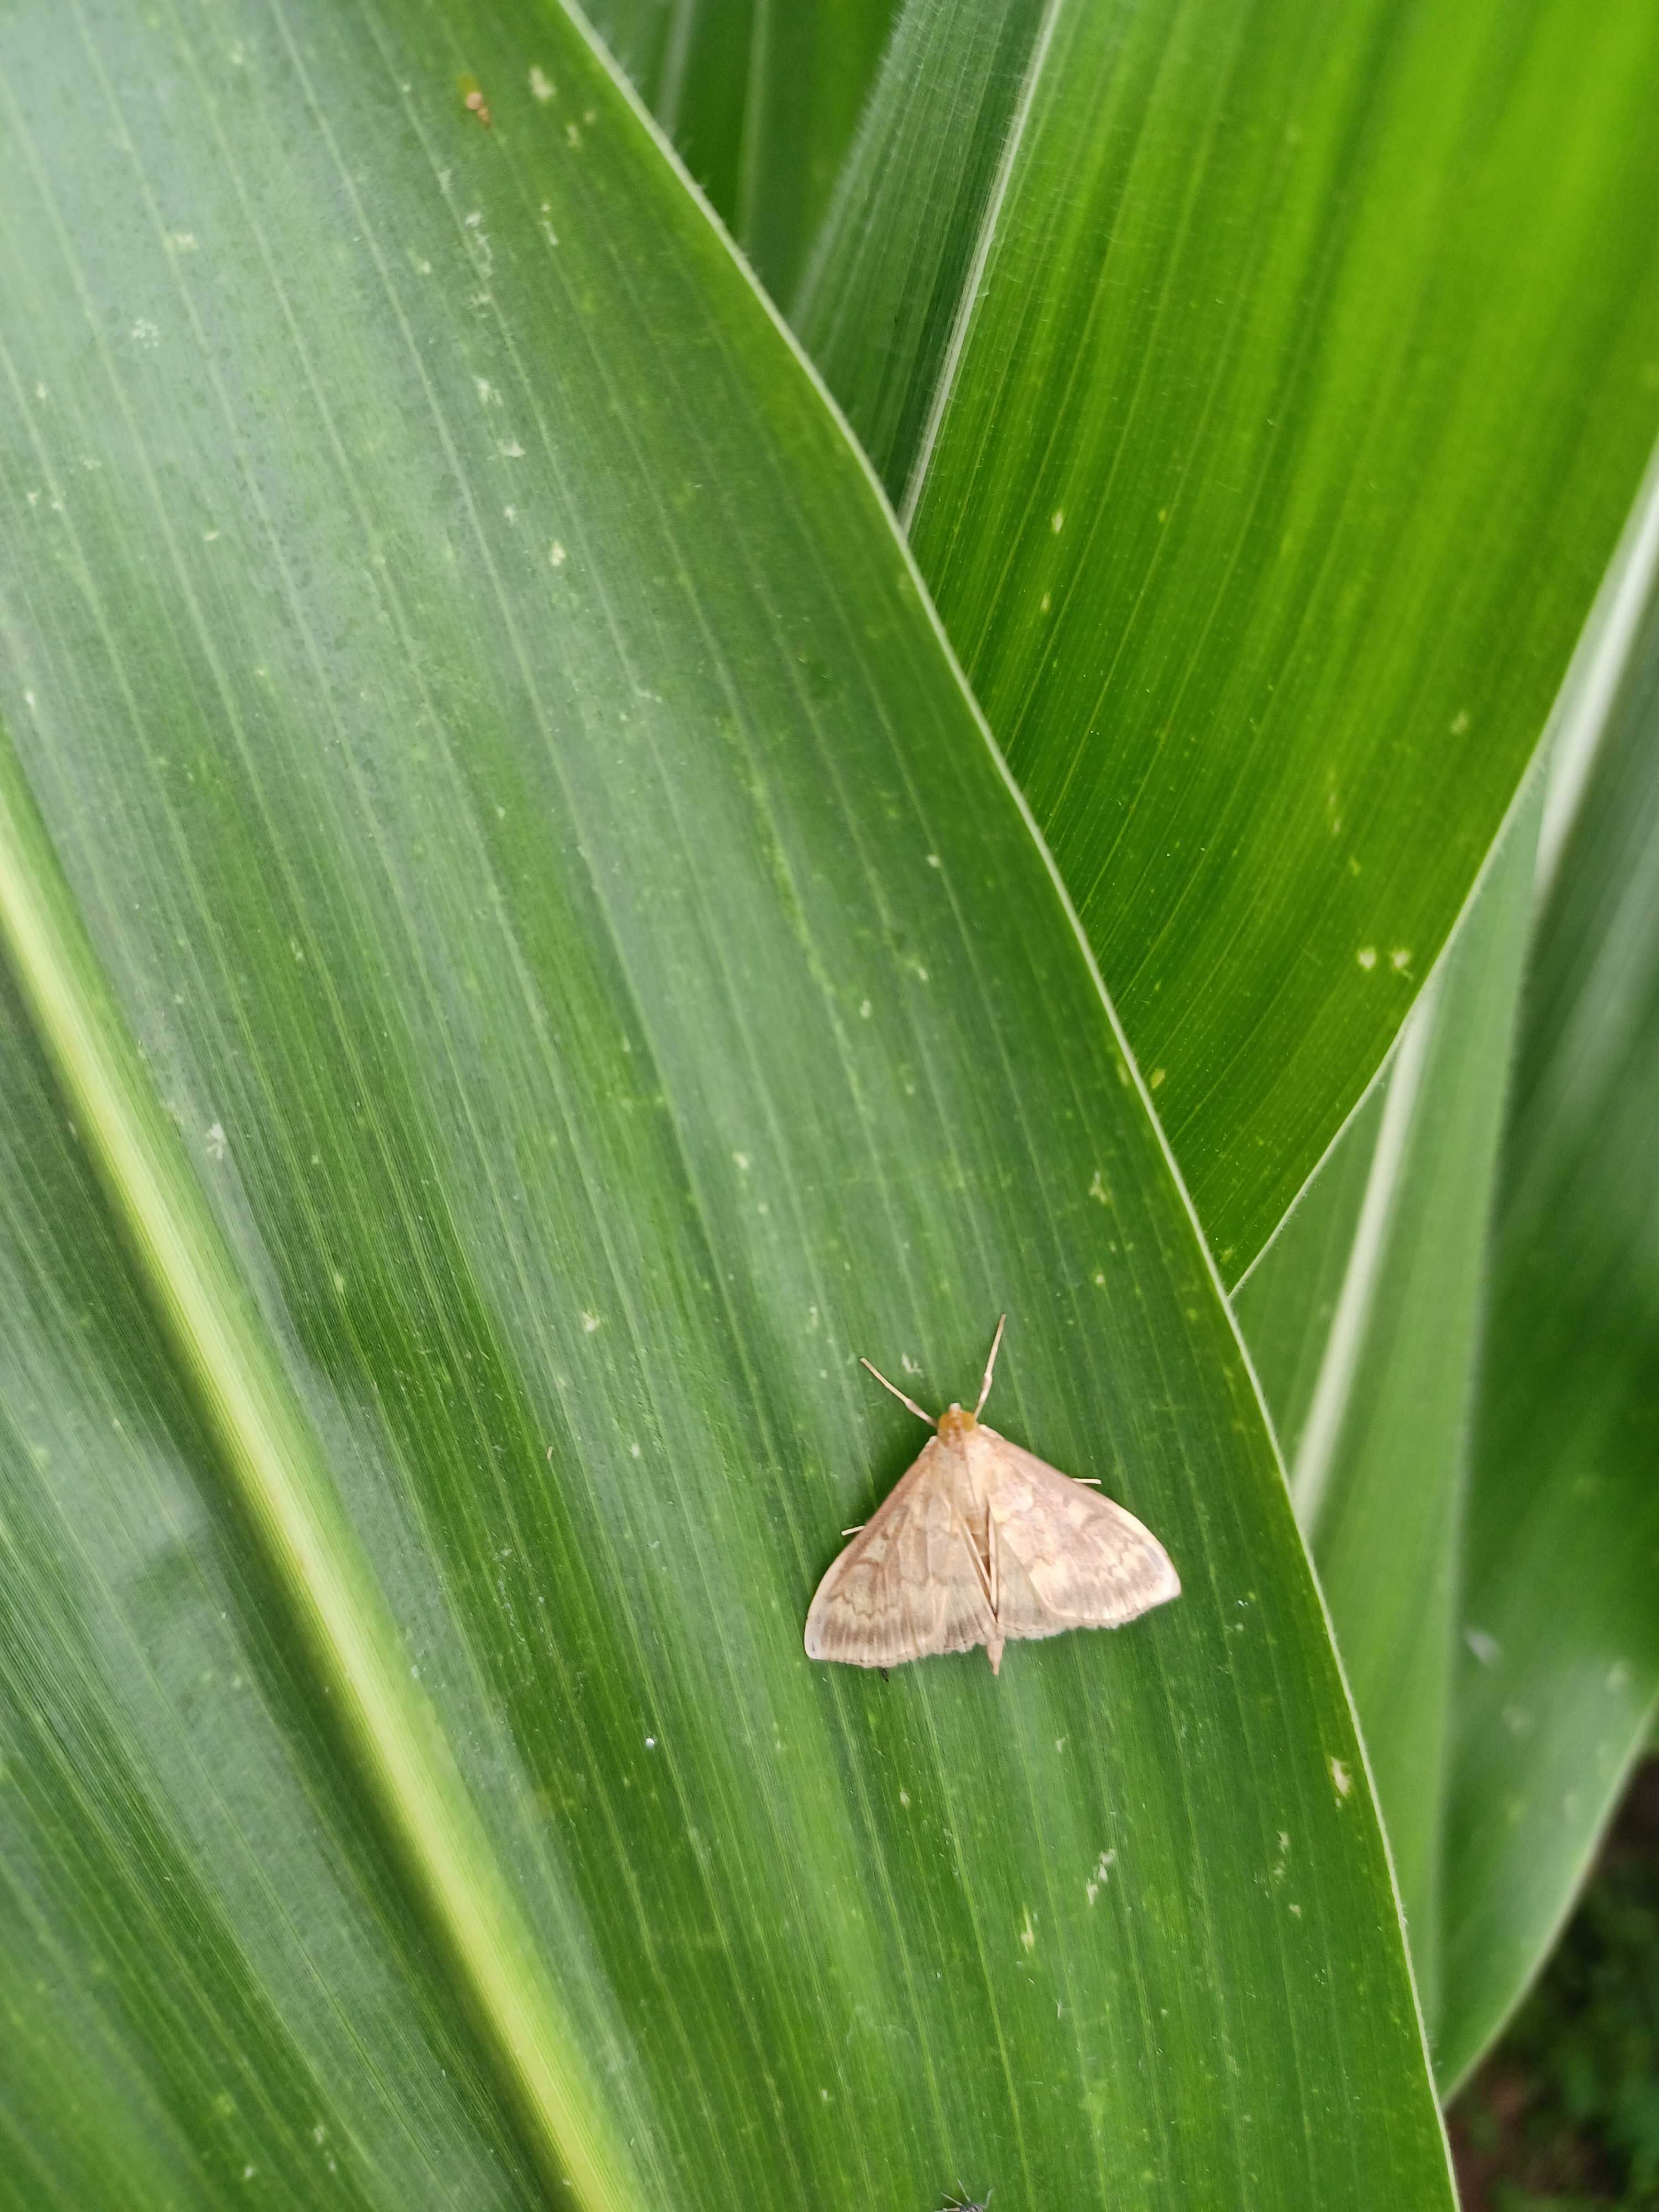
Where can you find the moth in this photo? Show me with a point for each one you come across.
(980, 1542)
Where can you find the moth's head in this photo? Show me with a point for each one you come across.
(954, 1425)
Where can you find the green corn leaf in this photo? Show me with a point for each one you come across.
(1287, 1302)
(1393, 1337)
(1559, 1671)
(761, 99)
(1263, 390)
(523, 964)
(1379, 1466)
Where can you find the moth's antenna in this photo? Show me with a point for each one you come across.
(900, 1395)
(990, 1367)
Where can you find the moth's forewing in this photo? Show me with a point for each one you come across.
(907, 1585)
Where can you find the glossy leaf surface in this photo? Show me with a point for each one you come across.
(1302, 369)
(525, 964)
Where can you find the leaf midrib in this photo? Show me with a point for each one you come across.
(278, 1473)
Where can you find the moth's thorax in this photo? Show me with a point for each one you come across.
(955, 1427)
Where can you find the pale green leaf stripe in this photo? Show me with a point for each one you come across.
(1388, 1451)
(272, 1458)
(1384, 1500)
(1561, 1665)
(1307, 1258)
(885, 299)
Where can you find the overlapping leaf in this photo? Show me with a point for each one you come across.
(1380, 1468)
(1263, 450)
(760, 98)
(525, 964)
(1559, 1670)
(1369, 1320)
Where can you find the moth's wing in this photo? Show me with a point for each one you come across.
(1065, 1556)
(909, 1583)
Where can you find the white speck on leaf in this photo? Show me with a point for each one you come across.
(1486, 1649)
(1367, 955)
(590, 1322)
(1057, 520)
(511, 450)
(742, 1160)
(1103, 1866)
(1460, 721)
(1098, 1190)
(1028, 1932)
(556, 554)
(215, 1141)
(541, 84)
(866, 1010)
(1399, 959)
(1342, 1777)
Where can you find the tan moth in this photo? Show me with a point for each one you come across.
(979, 1542)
